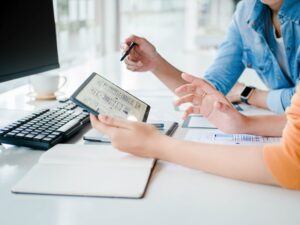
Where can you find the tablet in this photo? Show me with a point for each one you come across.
(100, 96)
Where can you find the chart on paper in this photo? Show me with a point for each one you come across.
(218, 137)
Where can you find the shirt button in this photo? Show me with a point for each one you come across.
(288, 48)
(278, 77)
(249, 65)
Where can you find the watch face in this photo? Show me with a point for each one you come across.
(246, 91)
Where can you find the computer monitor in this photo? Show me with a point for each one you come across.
(28, 38)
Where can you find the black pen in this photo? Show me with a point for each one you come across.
(132, 44)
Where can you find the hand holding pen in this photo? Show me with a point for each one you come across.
(139, 54)
(127, 52)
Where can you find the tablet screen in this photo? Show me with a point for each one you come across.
(106, 98)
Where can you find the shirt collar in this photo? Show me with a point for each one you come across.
(257, 14)
(288, 11)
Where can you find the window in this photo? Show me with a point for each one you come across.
(78, 26)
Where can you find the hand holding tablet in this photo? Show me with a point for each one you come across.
(100, 96)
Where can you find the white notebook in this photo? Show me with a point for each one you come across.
(87, 170)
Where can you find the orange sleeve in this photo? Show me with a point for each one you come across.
(283, 159)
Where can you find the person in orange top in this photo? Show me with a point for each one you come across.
(283, 159)
(273, 164)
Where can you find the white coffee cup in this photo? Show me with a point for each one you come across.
(45, 85)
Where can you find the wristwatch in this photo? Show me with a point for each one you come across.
(246, 93)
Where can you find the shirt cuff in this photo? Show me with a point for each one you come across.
(210, 82)
(274, 102)
(213, 82)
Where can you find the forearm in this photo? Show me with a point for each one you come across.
(265, 125)
(236, 162)
(168, 74)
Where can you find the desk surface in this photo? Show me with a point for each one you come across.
(176, 195)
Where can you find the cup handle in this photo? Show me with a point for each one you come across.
(64, 81)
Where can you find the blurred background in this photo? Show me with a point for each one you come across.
(186, 32)
(89, 28)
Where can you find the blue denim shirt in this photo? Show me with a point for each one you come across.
(250, 42)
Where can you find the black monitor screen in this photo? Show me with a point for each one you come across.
(27, 38)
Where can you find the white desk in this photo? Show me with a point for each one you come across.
(176, 195)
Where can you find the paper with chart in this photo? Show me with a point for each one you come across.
(218, 137)
(108, 99)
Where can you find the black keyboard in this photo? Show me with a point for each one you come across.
(45, 128)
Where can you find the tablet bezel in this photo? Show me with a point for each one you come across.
(94, 112)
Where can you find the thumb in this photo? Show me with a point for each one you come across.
(114, 122)
(188, 77)
(133, 38)
(204, 85)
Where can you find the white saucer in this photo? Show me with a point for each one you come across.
(45, 97)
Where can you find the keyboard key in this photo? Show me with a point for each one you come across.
(47, 139)
(6, 129)
(39, 137)
(51, 136)
(10, 134)
(69, 125)
(20, 135)
(29, 136)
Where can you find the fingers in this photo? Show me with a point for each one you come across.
(101, 126)
(189, 78)
(133, 68)
(115, 122)
(133, 55)
(200, 83)
(134, 38)
(129, 62)
(190, 110)
(133, 65)
(189, 89)
(185, 89)
(124, 47)
(142, 44)
(189, 98)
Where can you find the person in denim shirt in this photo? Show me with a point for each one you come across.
(251, 42)
(264, 35)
